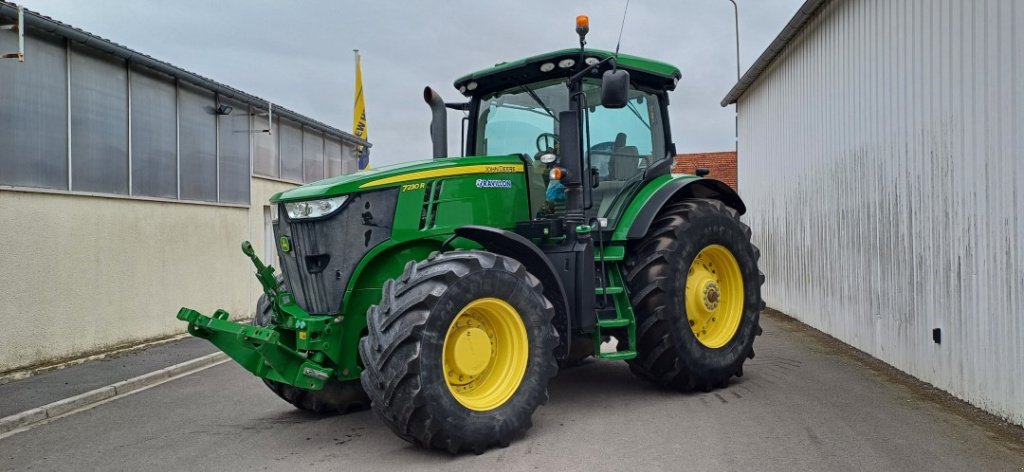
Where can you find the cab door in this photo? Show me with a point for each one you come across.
(621, 144)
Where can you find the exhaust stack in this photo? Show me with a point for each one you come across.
(438, 122)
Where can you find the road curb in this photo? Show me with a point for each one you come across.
(124, 387)
(27, 372)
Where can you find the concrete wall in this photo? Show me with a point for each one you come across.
(81, 274)
(882, 156)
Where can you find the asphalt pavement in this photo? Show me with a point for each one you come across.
(805, 403)
(46, 387)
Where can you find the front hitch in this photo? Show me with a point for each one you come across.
(264, 273)
(289, 350)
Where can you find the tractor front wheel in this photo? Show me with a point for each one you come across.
(459, 352)
(335, 398)
(696, 292)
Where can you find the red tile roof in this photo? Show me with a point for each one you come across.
(721, 164)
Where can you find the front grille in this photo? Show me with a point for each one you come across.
(324, 252)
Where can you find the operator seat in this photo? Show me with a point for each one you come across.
(620, 141)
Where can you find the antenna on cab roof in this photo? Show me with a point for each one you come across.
(621, 26)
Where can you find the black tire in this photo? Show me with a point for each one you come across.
(668, 352)
(402, 352)
(335, 398)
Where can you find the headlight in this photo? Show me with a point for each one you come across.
(314, 208)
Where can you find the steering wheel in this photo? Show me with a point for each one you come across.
(546, 142)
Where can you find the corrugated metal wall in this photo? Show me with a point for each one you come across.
(882, 157)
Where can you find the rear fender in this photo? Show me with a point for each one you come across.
(647, 203)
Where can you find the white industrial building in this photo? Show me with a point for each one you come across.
(881, 148)
(126, 187)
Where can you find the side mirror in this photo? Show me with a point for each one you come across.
(614, 88)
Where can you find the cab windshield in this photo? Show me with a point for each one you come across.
(524, 120)
(620, 145)
(521, 120)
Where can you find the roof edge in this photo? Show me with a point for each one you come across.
(49, 25)
(795, 25)
(651, 67)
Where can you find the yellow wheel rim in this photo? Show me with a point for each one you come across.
(714, 296)
(485, 354)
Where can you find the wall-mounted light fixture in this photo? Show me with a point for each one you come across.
(224, 109)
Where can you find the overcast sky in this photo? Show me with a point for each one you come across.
(299, 54)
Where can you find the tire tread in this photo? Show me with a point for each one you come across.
(391, 351)
(658, 360)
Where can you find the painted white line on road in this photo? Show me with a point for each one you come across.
(26, 420)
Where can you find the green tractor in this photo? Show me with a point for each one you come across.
(445, 294)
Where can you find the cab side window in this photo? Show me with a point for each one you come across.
(622, 143)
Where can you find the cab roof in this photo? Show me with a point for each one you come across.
(508, 74)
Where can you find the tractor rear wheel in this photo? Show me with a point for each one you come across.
(335, 398)
(459, 352)
(696, 292)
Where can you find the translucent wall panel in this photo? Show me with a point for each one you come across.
(198, 143)
(291, 150)
(99, 122)
(234, 153)
(312, 155)
(264, 160)
(332, 153)
(154, 135)
(349, 161)
(33, 114)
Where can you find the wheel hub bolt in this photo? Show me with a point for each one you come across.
(712, 296)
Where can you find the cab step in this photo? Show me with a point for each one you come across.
(610, 254)
(618, 356)
(614, 323)
(619, 316)
(608, 290)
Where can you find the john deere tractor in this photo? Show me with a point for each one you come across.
(446, 293)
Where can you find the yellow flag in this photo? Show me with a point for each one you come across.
(359, 116)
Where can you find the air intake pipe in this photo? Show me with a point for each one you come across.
(438, 122)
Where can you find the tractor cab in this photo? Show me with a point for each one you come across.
(516, 108)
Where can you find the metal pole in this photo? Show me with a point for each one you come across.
(128, 68)
(17, 27)
(177, 135)
(358, 152)
(21, 33)
(736, 115)
(355, 53)
(736, 14)
(67, 75)
(216, 131)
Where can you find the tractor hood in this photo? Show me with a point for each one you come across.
(400, 174)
